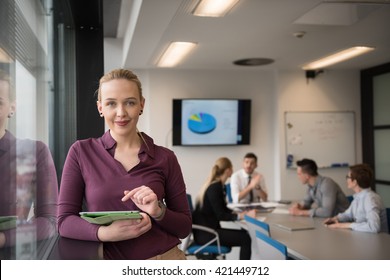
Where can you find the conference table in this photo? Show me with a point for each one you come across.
(323, 243)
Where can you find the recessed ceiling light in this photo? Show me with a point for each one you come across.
(253, 61)
(175, 53)
(213, 8)
(337, 57)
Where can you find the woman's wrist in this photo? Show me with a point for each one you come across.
(160, 216)
(2, 239)
(102, 234)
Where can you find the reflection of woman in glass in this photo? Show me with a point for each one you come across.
(28, 180)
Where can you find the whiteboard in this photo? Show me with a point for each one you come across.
(328, 138)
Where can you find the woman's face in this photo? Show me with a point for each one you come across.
(6, 106)
(230, 171)
(121, 106)
(351, 184)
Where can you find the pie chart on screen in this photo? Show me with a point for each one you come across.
(202, 123)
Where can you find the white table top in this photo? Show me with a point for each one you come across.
(322, 243)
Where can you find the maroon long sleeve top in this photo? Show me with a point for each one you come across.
(92, 173)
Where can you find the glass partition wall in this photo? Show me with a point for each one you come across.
(50, 65)
(375, 98)
(381, 101)
(28, 180)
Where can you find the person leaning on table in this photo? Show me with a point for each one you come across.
(366, 212)
(322, 191)
(125, 170)
(211, 208)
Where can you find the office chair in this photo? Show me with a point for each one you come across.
(228, 191)
(208, 251)
(189, 200)
(269, 248)
(388, 218)
(254, 225)
(350, 198)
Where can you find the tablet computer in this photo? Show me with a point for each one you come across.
(107, 217)
(7, 222)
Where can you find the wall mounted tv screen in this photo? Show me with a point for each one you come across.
(207, 122)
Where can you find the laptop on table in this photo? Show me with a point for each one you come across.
(293, 226)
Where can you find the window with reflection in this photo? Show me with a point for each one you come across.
(28, 179)
(381, 100)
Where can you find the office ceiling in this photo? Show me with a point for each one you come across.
(270, 29)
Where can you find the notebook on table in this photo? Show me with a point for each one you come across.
(293, 226)
(260, 207)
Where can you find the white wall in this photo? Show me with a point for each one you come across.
(330, 91)
(272, 94)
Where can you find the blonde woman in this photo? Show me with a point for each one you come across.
(125, 170)
(211, 208)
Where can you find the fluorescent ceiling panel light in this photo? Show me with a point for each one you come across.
(4, 57)
(337, 57)
(214, 8)
(175, 53)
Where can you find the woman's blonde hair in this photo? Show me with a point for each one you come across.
(4, 76)
(117, 74)
(217, 171)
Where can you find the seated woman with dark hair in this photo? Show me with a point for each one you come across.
(366, 212)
